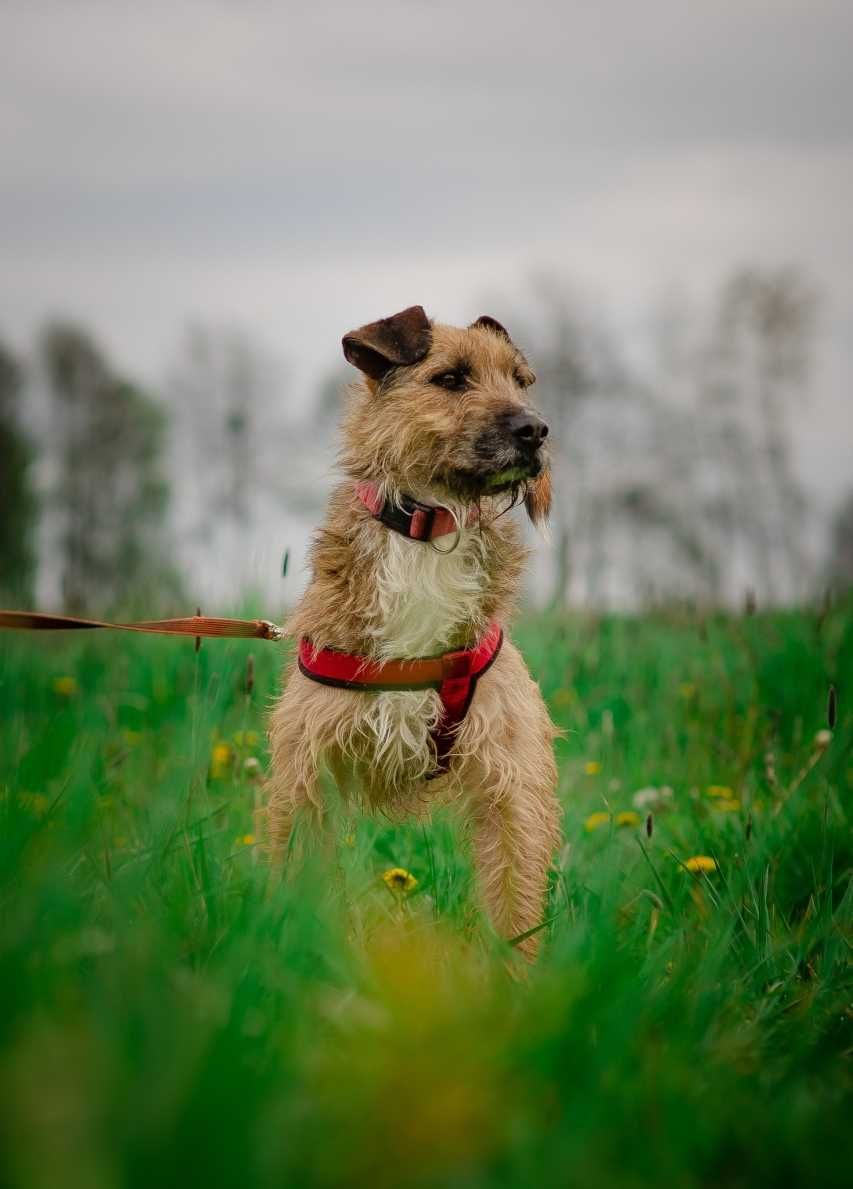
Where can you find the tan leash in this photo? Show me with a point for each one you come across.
(193, 625)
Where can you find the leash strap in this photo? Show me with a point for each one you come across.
(193, 625)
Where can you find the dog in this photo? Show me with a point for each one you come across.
(405, 689)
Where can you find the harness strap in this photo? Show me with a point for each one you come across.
(453, 674)
(193, 625)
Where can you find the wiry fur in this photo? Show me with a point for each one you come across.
(420, 596)
(378, 594)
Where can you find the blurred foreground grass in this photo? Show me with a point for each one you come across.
(163, 1021)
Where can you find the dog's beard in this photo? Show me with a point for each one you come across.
(511, 477)
(495, 479)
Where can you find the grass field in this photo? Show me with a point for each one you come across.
(164, 1021)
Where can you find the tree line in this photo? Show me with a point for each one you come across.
(676, 456)
(674, 466)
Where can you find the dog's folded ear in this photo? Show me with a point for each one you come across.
(402, 339)
(537, 498)
(487, 322)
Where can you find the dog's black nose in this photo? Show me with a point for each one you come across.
(528, 430)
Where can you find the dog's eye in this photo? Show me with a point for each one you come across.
(520, 380)
(454, 381)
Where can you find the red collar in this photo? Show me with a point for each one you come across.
(420, 522)
(453, 674)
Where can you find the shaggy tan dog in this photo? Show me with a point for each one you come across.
(439, 436)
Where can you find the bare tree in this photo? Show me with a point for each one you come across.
(17, 521)
(575, 366)
(625, 515)
(758, 364)
(676, 479)
(236, 455)
(110, 495)
(840, 563)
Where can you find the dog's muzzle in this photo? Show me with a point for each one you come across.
(527, 430)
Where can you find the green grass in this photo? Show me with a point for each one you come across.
(165, 1021)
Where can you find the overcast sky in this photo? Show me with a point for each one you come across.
(298, 169)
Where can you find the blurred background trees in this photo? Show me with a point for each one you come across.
(840, 564)
(758, 364)
(242, 458)
(216, 395)
(107, 495)
(673, 461)
(674, 470)
(17, 501)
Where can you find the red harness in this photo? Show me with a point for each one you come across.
(453, 674)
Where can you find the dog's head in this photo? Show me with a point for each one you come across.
(445, 412)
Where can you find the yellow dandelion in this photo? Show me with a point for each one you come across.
(399, 880)
(246, 738)
(627, 818)
(66, 687)
(245, 840)
(722, 791)
(701, 863)
(596, 819)
(592, 767)
(727, 805)
(220, 760)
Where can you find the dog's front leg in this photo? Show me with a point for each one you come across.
(515, 832)
(289, 799)
(293, 786)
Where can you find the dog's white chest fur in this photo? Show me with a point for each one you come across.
(422, 596)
